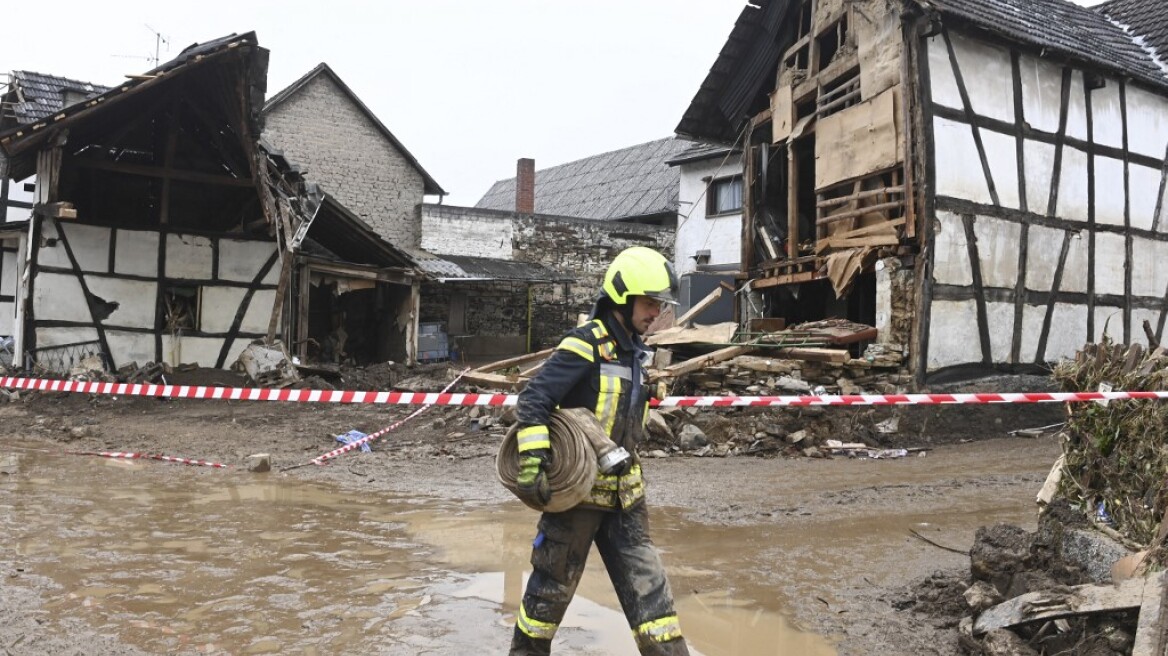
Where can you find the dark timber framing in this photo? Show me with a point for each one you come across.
(969, 117)
(983, 324)
(1024, 235)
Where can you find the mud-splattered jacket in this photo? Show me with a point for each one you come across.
(600, 366)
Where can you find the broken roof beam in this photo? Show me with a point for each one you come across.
(700, 307)
(702, 361)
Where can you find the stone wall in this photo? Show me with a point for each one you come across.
(578, 249)
(322, 130)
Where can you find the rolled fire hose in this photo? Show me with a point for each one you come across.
(578, 444)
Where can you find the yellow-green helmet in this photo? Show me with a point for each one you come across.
(640, 271)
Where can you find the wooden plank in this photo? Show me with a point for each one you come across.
(703, 361)
(857, 141)
(517, 361)
(1152, 626)
(860, 211)
(866, 242)
(837, 356)
(1053, 604)
(786, 279)
(700, 307)
(494, 380)
(831, 202)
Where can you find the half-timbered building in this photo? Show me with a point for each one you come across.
(983, 180)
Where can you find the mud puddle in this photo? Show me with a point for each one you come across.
(173, 559)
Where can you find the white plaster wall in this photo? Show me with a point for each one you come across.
(127, 347)
(241, 260)
(1075, 270)
(58, 336)
(958, 165)
(953, 337)
(1072, 196)
(1077, 108)
(90, 246)
(136, 300)
(988, 77)
(1042, 253)
(467, 234)
(1107, 115)
(59, 297)
(7, 318)
(951, 259)
(1002, 155)
(220, 304)
(942, 82)
(721, 235)
(1144, 185)
(1068, 331)
(1000, 317)
(1110, 254)
(997, 248)
(1149, 268)
(1108, 322)
(9, 273)
(188, 257)
(1038, 159)
(1032, 317)
(136, 253)
(201, 350)
(1147, 122)
(1109, 191)
(1041, 92)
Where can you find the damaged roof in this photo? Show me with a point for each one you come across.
(431, 185)
(1063, 27)
(701, 151)
(19, 144)
(1146, 19)
(34, 96)
(349, 239)
(623, 184)
(455, 268)
(743, 74)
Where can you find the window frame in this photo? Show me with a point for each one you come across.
(712, 195)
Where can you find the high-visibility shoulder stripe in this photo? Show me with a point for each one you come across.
(577, 346)
(533, 437)
(535, 628)
(598, 329)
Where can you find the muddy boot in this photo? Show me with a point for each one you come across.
(524, 645)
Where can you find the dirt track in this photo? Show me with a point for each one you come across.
(840, 543)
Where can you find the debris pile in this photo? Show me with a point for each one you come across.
(1091, 579)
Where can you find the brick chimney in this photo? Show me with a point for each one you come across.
(525, 186)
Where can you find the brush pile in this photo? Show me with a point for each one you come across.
(1116, 453)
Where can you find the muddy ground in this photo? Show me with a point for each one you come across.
(864, 553)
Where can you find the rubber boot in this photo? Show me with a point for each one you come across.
(524, 645)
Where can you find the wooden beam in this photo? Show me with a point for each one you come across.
(493, 380)
(517, 361)
(1053, 604)
(703, 361)
(899, 189)
(786, 279)
(701, 306)
(806, 354)
(860, 211)
(155, 172)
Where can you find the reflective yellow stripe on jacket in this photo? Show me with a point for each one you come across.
(577, 346)
(663, 630)
(535, 628)
(533, 437)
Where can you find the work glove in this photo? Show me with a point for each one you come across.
(532, 482)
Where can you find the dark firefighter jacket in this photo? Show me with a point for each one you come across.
(600, 366)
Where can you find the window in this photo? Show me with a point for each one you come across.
(724, 196)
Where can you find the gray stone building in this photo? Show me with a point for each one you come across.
(319, 122)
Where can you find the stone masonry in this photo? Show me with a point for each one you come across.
(322, 130)
(580, 249)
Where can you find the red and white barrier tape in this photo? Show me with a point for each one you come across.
(445, 398)
(372, 436)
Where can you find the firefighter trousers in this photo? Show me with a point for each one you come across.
(558, 555)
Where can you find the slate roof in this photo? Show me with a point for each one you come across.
(1144, 18)
(454, 268)
(701, 151)
(622, 184)
(1064, 27)
(431, 186)
(38, 96)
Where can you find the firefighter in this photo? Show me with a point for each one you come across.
(600, 366)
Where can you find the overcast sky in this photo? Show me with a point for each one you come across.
(468, 86)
